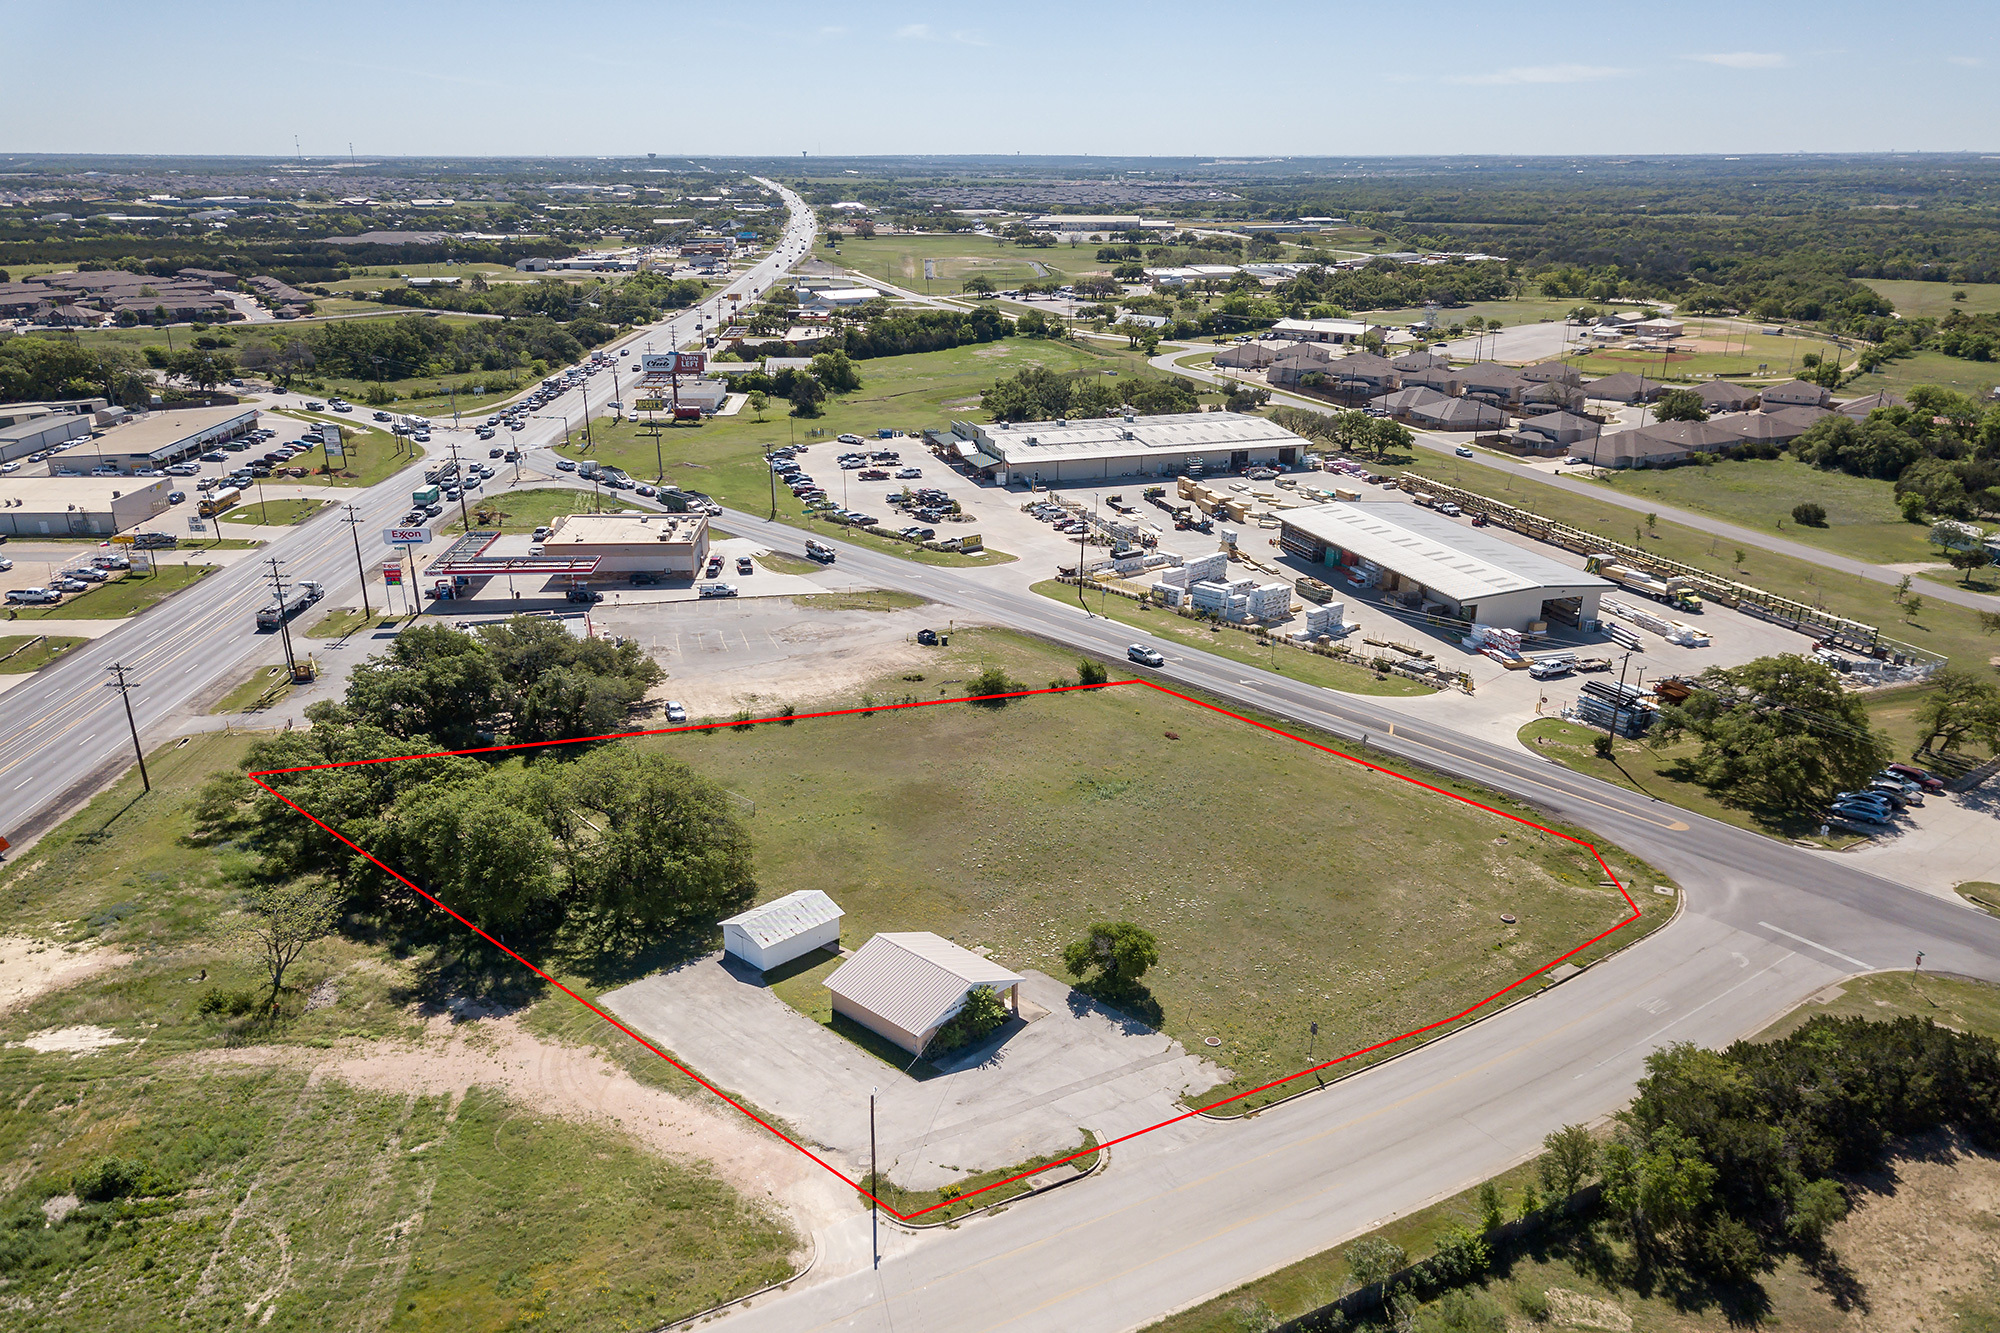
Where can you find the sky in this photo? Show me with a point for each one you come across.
(1168, 78)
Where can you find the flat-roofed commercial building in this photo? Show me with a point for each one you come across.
(674, 545)
(1086, 222)
(1426, 561)
(80, 506)
(169, 437)
(1133, 446)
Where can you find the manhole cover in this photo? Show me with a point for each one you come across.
(1212, 1041)
(1508, 917)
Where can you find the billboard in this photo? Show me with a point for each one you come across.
(673, 363)
(336, 448)
(405, 536)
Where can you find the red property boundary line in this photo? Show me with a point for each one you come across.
(258, 778)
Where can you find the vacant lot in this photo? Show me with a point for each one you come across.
(1862, 520)
(524, 511)
(343, 1166)
(1016, 827)
(1900, 376)
(1933, 300)
(900, 260)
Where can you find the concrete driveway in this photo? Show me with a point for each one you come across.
(1026, 1092)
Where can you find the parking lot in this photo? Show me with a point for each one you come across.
(1024, 1092)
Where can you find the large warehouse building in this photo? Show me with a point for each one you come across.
(1178, 443)
(1429, 562)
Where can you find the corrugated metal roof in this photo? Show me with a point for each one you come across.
(782, 918)
(1463, 564)
(914, 979)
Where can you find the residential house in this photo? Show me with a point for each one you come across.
(1795, 393)
(1624, 387)
(1407, 399)
(1551, 396)
(1361, 373)
(1459, 414)
(1553, 432)
(1772, 425)
(1491, 382)
(1722, 396)
(1442, 378)
(1552, 372)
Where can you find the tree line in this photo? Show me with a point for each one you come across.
(1040, 394)
(604, 847)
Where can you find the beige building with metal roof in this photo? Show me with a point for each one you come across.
(80, 506)
(175, 436)
(906, 985)
(1129, 446)
(1426, 561)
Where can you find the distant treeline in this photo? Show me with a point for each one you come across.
(295, 261)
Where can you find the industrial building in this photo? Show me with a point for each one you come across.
(1428, 562)
(80, 506)
(783, 929)
(1178, 443)
(168, 437)
(33, 435)
(905, 986)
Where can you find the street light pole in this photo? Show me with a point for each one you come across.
(124, 688)
(353, 521)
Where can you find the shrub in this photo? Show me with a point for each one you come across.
(982, 1012)
(1373, 1259)
(1809, 514)
(1534, 1303)
(992, 681)
(116, 1178)
(216, 1001)
(1466, 1310)
(1461, 1256)
(1091, 672)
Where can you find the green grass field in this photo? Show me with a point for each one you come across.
(1719, 350)
(1920, 300)
(956, 258)
(294, 1201)
(724, 456)
(1956, 1002)
(1862, 520)
(1977, 378)
(345, 620)
(971, 822)
(1234, 645)
(1940, 626)
(275, 513)
(1511, 313)
(22, 653)
(524, 511)
(120, 597)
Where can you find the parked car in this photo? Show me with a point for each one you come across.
(1928, 781)
(585, 595)
(910, 473)
(31, 596)
(176, 497)
(849, 439)
(744, 566)
(677, 712)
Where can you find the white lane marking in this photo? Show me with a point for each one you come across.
(1648, 1038)
(1815, 944)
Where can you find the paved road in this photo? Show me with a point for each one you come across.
(1192, 1210)
(63, 734)
(1731, 532)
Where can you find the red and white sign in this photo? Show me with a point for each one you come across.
(392, 573)
(405, 536)
(690, 363)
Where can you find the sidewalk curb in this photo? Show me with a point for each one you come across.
(1103, 1160)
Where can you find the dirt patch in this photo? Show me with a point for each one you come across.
(839, 666)
(1573, 1309)
(80, 1040)
(58, 1206)
(1923, 1235)
(576, 1084)
(31, 967)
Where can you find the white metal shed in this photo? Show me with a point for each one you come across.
(783, 929)
(905, 985)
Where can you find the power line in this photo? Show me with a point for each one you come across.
(125, 688)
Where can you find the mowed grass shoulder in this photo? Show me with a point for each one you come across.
(1285, 885)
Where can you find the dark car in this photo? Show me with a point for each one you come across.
(584, 595)
(643, 578)
(494, 453)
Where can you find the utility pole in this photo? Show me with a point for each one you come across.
(874, 1187)
(284, 621)
(353, 521)
(583, 387)
(463, 516)
(124, 688)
